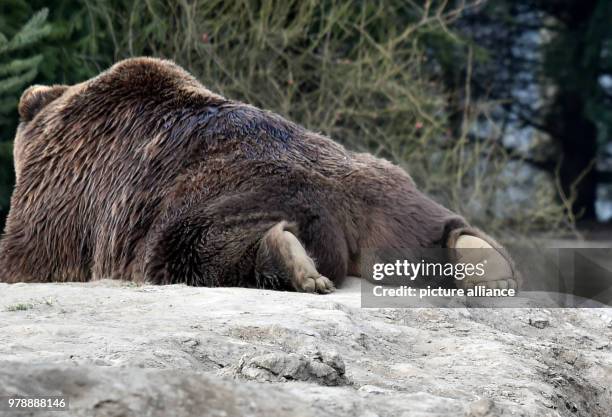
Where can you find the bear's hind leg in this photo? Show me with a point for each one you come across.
(281, 254)
(235, 240)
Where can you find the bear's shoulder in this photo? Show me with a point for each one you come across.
(148, 77)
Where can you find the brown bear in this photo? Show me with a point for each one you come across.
(143, 174)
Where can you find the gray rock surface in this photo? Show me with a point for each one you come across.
(116, 349)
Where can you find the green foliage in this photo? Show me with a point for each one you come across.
(20, 307)
(34, 30)
(18, 72)
(578, 56)
(51, 42)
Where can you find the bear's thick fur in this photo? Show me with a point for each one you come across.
(143, 174)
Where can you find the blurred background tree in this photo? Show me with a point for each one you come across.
(547, 66)
(470, 97)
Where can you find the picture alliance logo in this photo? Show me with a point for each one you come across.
(414, 270)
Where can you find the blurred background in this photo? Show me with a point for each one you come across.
(501, 109)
